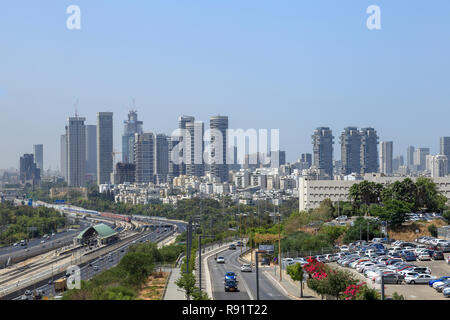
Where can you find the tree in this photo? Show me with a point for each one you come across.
(297, 274)
(433, 230)
(393, 211)
(336, 282)
(405, 190)
(365, 192)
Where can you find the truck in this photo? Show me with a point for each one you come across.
(60, 285)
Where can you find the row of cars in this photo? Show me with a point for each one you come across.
(393, 269)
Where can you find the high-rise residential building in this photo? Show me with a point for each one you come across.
(76, 152)
(194, 144)
(131, 126)
(29, 170)
(306, 159)
(182, 121)
(439, 166)
(174, 166)
(124, 172)
(104, 147)
(369, 150)
(63, 156)
(144, 150)
(420, 157)
(161, 157)
(445, 148)
(38, 151)
(91, 150)
(219, 147)
(350, 150)
(386, 157)
(323, 141)
(410, 157)
(397, 162)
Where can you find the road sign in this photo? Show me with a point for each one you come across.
(266, 248)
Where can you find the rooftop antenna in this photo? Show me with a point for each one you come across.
(134, 105)
(76, 108)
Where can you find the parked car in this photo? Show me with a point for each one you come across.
(419, 278)
(424, 256)
(431, 282)
(409, 256)
(438, 255)
(394, 278)
(265, 261)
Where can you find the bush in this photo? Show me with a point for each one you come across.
(433, 230)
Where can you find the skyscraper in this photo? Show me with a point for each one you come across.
(369, 150)
(420, 157)
(144, 150)
(194, 147)
(397, 162)
(445, 148)
(38, 151)
(410, 157)
(182, 121)
(161, 157)
(386, 156)
(28, 169)
(104, 147)
(132, 126)
(219, 146)
(91, 150)
(306, 159)
(439, 166)
(76, 152)
(174, 168)
(63, 156)
(350, 150)
(322, 141)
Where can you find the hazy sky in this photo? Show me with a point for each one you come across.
(292, 65)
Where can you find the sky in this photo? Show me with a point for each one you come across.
(289, 65)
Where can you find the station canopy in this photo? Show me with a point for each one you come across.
(101, 231)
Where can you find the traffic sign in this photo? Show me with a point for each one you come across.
(266, 248)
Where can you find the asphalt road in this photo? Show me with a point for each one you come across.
(247, 280)
(103, 263)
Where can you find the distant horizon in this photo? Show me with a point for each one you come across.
(292, 66)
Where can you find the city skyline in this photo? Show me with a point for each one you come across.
(310, 76)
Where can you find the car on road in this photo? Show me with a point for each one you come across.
(240, 244)
(246, 268)
(232, 246)
(419, 278)
(231, 285)
(220, 260)
(438, 255)
(230, 276)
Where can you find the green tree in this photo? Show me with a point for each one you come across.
(336, 282)
(393, 211)
(296, 273)
(433, 230)
(365, 192)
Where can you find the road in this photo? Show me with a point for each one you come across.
(247, 280)
(103, 263)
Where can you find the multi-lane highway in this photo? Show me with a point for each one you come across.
(268, 290)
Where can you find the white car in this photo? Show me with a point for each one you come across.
(419, 278)
(424, 256)
(344, 248)
(363, 266)
(246, 268)
(220, 260)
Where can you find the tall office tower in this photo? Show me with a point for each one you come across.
(397, 162)
(306, 159)
(322, 141)
(420, 158)
(91, 150)
(132, 126)
(161, 157)
(76, 152)
(124, 172)
(28, 169)
(174, 167)
(369, 150)
(144, 150)
(386, 158)
(104, 147)
(219, 148)
(410, 157)
(350, 150)
(38, 151)
(445, 148)
(182, 121)
(63, 156)
(194, 147)
(439, 166)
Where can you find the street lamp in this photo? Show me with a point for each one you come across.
(279, 240)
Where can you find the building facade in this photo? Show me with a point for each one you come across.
(219, 146)
(386, 155)
(323, 141)
(369, 150)
(76, 152)
(104, 147)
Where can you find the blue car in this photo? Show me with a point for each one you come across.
(409, 256)
(230, 276)
(430, 283)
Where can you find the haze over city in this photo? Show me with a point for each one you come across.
(323, 67)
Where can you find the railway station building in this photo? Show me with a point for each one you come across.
(98, 234)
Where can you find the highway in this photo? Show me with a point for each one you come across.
(247, 280)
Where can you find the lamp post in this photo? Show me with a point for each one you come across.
(200, 258)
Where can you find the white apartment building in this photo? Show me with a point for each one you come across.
(313, 192)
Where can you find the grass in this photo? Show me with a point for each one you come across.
(154, 287)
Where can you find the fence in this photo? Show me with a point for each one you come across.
(444, 233)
